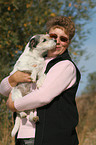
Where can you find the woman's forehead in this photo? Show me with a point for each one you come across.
(58, 31)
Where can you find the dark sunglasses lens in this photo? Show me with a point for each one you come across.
(64, 39)
(53, 36)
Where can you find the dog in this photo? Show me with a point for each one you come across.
(31, 61)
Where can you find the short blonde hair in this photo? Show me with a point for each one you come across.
(64, 22)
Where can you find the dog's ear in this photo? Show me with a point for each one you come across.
(33, 43)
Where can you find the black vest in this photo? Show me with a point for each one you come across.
(59, 118)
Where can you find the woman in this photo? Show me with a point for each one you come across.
(55, 100)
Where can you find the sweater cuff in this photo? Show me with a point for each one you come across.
(5, 87)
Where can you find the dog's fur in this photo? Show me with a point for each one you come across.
(31, 61)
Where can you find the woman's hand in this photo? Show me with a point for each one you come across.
(19, 77)
(10, 104)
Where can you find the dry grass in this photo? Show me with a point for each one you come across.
(6, 124)
(87, 119)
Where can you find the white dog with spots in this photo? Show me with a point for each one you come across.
(31, 61)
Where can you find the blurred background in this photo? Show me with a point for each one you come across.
(19, 20)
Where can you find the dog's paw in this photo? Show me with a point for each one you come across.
(31, 115)
(23, 114)
(36, 119)
(33, 118)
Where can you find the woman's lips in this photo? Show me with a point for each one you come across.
(57, 48)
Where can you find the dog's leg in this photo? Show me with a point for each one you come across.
(33, 75)
(41, 78)
(16, 93)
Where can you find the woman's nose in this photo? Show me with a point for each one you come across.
(58, 40)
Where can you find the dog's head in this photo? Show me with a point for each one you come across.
(42, 43)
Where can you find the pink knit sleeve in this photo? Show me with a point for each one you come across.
(60, 77)
(5, 87)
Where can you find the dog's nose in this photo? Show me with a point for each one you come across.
(55, 40)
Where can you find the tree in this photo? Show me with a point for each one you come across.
(91, 85)
(22, 19)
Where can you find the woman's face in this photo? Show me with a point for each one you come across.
(62, 41)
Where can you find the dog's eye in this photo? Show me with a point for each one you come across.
(44, 40)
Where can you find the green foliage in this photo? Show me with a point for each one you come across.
(91, 85)
(21, 19)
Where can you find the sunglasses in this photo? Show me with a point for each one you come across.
(62, 38)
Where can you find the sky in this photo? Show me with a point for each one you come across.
(90, 64)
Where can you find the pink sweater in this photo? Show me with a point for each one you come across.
(59, 78)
